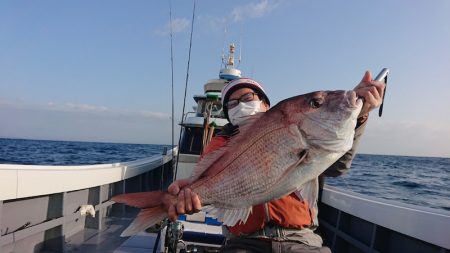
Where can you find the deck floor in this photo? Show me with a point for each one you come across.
(109, 241)
(140, 243)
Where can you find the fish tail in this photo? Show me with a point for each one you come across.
(146, 218)
(141, 199)
(152, 212)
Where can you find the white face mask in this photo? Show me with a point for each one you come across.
(242, 111)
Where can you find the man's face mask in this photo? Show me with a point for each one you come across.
(242, 111)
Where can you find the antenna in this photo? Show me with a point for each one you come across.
(223, 63)
(240, 51)
(230, 62)
(240, 45)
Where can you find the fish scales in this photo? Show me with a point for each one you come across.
(249, 178)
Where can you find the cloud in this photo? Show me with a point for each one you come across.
(253, 10)
(4, 102)
(212, 22)
(149, 114)
(131, 127)
(70, 107)
(178, 25)
(238, 13)
(83, 107)
(86, 122)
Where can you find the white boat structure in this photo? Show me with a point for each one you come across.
(49, 208)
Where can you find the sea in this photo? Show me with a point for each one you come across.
(422, 181)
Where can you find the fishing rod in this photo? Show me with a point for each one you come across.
(171, 65)
(164, 223)
(174, 230)
(185, 87)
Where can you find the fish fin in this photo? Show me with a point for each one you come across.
(146, 218)
(309, 192)
(228, 216)
(205, 163)
(212, 164)
(140, 199)
(302, 154)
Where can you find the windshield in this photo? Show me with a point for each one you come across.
(214, 106)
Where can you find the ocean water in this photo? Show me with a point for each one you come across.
(40, 152)
(420, 181)
(414, 180)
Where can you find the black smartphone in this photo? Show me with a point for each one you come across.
(382, 76)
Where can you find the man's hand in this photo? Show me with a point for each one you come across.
(188, 201)
(372, 92)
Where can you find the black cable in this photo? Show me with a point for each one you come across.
(155, 246)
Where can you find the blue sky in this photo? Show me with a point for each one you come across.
(100, 70)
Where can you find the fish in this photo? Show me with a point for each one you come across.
(275, 153)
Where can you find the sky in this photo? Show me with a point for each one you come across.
(101, 70)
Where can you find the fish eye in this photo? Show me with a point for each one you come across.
(315, 103)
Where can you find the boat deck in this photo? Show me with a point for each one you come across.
(140, 243)
(109, 240)
(198, 233)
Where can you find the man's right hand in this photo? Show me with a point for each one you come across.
(188, 201)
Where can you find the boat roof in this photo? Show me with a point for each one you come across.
(214, 85)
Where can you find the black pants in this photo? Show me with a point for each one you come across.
(246, 245)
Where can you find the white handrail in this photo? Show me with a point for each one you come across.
(21, 181)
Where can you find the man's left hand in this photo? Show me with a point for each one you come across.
(372, 92)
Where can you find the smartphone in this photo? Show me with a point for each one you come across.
(382, 76)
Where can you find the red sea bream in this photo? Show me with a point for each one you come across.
(276, 153)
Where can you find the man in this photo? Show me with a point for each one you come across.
(285, 224)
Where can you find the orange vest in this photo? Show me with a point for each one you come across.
(288, 211)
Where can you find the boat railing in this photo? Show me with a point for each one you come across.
(187, 114)
(40, 206)
(352, 222)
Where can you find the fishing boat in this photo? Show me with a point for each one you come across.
(68, 208)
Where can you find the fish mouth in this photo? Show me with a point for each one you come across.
(353, 100)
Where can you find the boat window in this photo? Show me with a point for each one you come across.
(216, 108)
(200, 108)
(191, 140)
